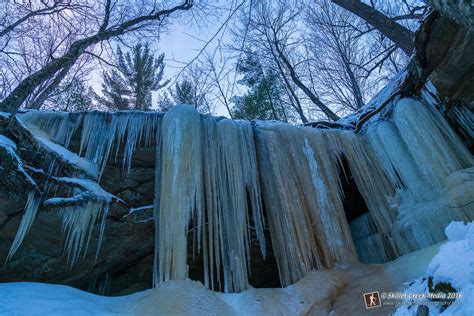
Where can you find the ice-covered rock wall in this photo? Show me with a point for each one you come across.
(218, 179)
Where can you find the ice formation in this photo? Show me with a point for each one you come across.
(31, 208)
(100, 132)
(303, 198)
(207, 174)
(216, 178)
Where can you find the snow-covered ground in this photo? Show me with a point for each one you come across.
(319, 291)
(25, 298)
(454, 264)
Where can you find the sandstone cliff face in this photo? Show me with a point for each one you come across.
(444, 51)
(126, 256)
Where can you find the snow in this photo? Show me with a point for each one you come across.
(28, 299)
(69, 157)
(455, 260)
(453, 264)
(319, 292)
(138, 209)
(7, 142)
(456, 231)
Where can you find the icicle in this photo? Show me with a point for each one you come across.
(100, 132)
(303, 199)
(465, 118)
(234, 235)
(31, 208)
(180, 189)
(156, 202)
(369, 175)
(429, 138)
(226, 181)
(61, 126)
(78, 224)
(105, 212)
(211, 244)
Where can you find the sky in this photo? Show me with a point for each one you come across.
(182, 43)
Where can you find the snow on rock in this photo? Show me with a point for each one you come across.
(100, 132)
(453, 264)
(89, 169)
(455, 261)
(9, 147)
(138, 209)
(5, 141)
(456, 231)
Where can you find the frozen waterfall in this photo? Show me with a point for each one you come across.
(217, 179)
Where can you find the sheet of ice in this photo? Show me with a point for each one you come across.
(303, 198)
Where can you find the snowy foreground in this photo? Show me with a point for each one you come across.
(338, 290)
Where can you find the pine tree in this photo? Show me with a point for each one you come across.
(72, 96)
(129, 86)
(186, 92)
(165, 102)
(261, 101)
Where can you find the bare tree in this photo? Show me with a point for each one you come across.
(219, 69)
(397, 33)
(273, 31)
(335, 53)
(116, 19)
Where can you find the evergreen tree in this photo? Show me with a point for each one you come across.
(72, 96)
(129, 86)
(262, 100)
(186, 92)
(165, 102)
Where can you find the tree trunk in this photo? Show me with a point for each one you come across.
(15, 99)
(38, 101)
(400, 35)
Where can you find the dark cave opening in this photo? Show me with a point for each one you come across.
(368, 242)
